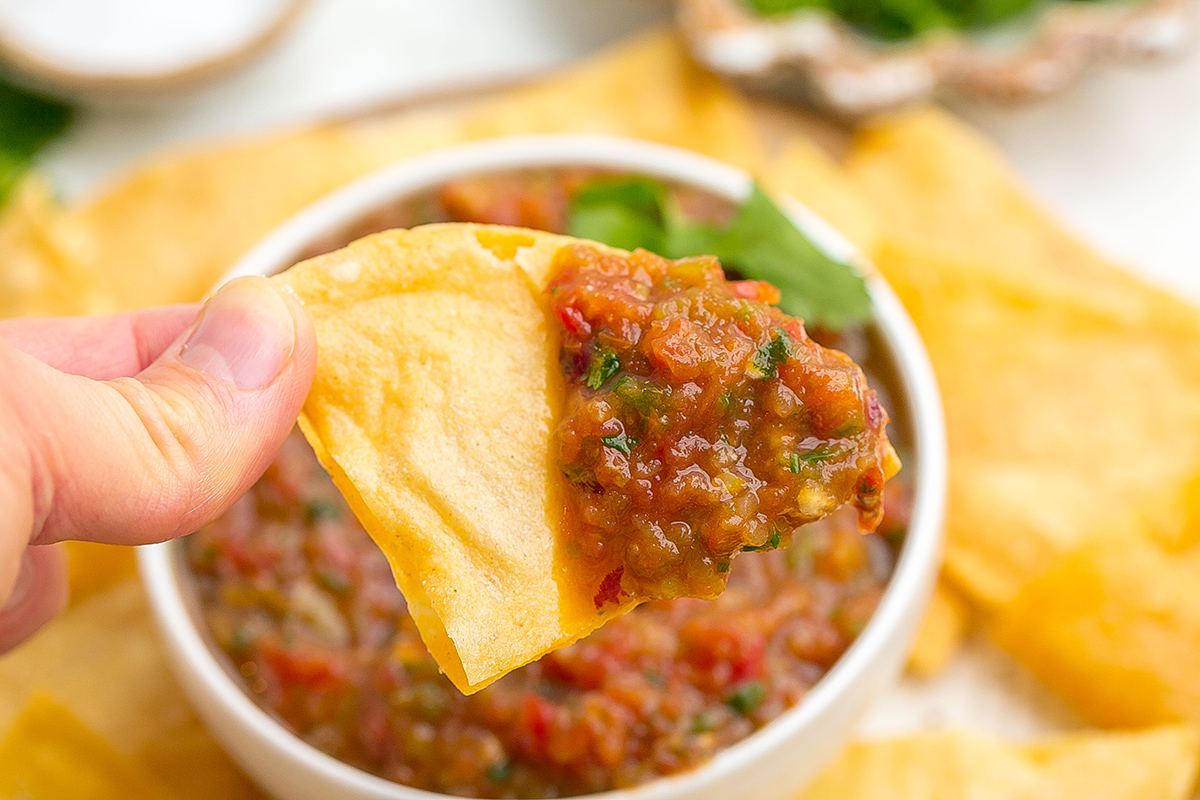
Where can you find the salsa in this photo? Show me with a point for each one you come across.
(700, 422)
(304, 606)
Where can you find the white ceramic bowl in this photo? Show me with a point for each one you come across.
(774, 762)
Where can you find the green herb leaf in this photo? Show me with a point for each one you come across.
(604, 365)
(623, 212)
(797, 461)
(746, 699)
(499, 772)
(764, 245)
(621, 442)
(771, 543)
(723, 566)
(27, 122)
(317, 510)
(761, 243)
(775, 352)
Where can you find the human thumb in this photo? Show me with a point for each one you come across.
(147, 458)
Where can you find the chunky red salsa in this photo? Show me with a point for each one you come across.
(700, 422)
(304, 605)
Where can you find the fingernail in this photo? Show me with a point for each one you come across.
(21, 588)
(244, 336)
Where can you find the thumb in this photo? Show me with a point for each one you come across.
(148, 458)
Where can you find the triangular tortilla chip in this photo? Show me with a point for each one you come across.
(1114, 628)
(433, 407)
(1158, 764)
(51, 755)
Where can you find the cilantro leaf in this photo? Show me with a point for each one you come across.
(770, 544)
(625, 213)
(764, 245)
(768, 357)
(27, 122)
(761, 243)
(621, 442)
(604, 365)
(747, 698)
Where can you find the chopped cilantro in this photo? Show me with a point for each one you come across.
(775, 352)
(333, 581)
(499, 772)
(643, 396)
(797, 461)
(761, 243)
(620, 441)
(27, 122)
(722, 566)
(655, 678)
(318, 510)
(771, 543)
(747, 698)
(604, 365)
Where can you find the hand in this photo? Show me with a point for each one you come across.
(137, 428)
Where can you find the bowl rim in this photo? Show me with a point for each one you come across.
(912, 575)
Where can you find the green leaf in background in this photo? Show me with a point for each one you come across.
(764, 245)
(903, 19)
(623, 212)
(27, 122)
(761, 243)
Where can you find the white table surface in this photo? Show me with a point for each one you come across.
(1118, 159)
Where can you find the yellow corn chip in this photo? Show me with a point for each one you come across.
(51, 755)
(92, 568)
(804, 171)
(432, 409)
(1072, 413)
(1115, 629)
(647, 88)
(103, 660)
(36, 276)
(1158, 764)
(942, 632)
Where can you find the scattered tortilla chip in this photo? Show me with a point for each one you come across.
(1158, 764)
(51, 755)
(1068, 418)
(1115, 629)
(804, 171)
(942, 632)
(433, 408)
(93, 568)
(168, 230)
(647, 88)
(102, 659)
(36, 277)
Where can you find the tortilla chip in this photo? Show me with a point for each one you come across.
(1071, 415)
(93, 568)
(1115, 629)
(1158, 764)
(433, 406)
(51, 755)
(804, 171)
(647, 88)
(36, 277)
(102, 659)
(942, 632)
(173, 226)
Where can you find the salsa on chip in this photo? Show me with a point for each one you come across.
(465, 369)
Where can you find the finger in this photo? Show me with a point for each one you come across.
(137, 460)
(103, 348)
(38, 595)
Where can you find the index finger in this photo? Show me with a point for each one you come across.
(101, 348)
